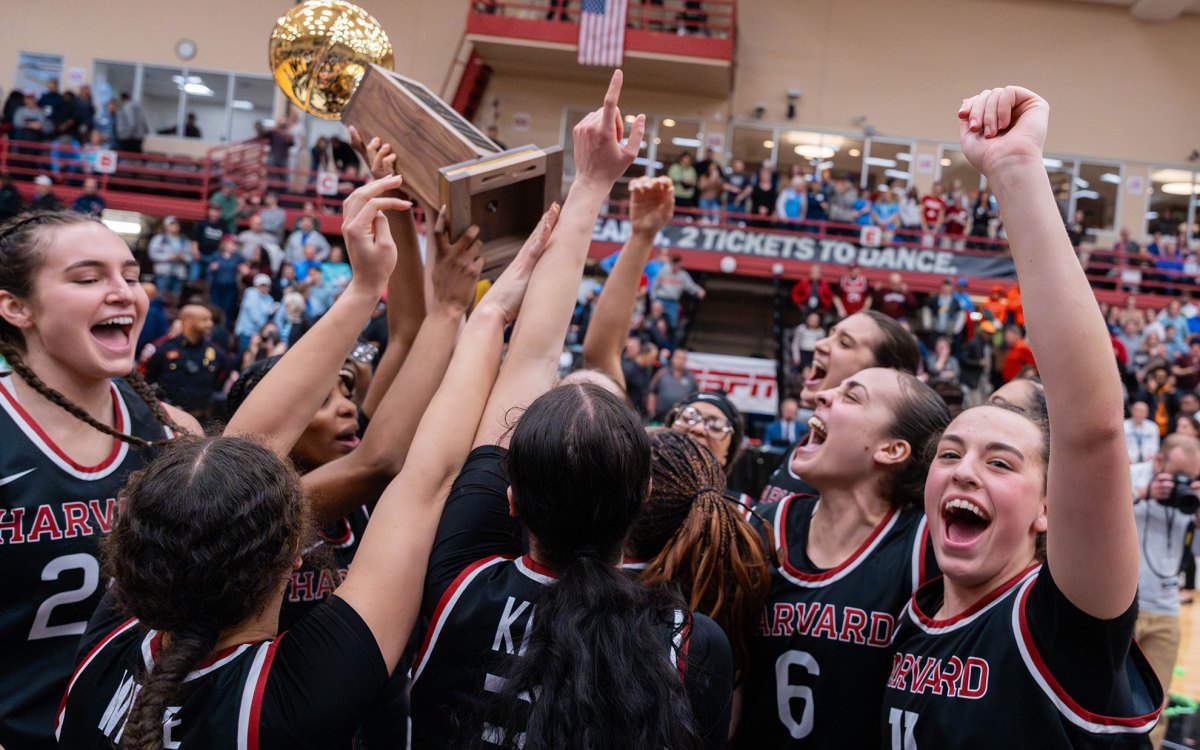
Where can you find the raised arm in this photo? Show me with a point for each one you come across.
(651, 206)
(531, 364)
(385, 583)
(361, 475)
(1091, 539)
(301, 380)
(405, 288)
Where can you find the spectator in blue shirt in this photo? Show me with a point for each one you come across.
(89, 201)
(258, 306)
(320, 296)
(222, 276)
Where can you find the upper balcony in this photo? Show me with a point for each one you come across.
(685, 45)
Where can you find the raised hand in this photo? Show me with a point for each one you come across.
(509, 290)
(1001, 128)
(453, 266)
(651, 204)
(378, 155)
(365, 229)
(599, 155)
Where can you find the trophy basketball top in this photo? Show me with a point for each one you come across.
(321, 49)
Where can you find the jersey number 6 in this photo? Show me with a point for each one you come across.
(786, 692)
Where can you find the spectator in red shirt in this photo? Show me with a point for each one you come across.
(1019, 354)
(933, 211)
(853, 294)
(1187, 367)
(896, 301)
(814, 293)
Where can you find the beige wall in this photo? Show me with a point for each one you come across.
(230, 35)
(1120, 89)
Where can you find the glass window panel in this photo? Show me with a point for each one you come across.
(253, 101)
(1171, 191)
(953, 165)
(889, 162)
(206, 97)
(161, 92)
(109, 81)
(810, 153)
(752, 145)
(1096, 192)
(1061, 172)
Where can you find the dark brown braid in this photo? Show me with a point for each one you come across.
(146, 392)
(697, 540)
(205, 538)
(16, 360)
(20, 257)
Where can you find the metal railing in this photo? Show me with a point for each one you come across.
(714, 18)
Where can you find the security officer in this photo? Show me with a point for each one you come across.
(189, 367)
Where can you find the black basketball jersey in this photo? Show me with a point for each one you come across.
(480, 601)
(480, 625)
(53, 512)
(312, 584)
(979, 680)
(784, 481)
(307, 688)
(822, 649)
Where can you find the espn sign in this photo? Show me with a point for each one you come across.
(749, 382)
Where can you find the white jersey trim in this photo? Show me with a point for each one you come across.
(956, 623)
(1040, 678)
(32, 433)
(58, 722)
(436, 627)
(541, 578)
(148, 658)
(248, 692)
(845, 569)
(918, 554)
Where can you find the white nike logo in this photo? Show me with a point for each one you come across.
(15, 477)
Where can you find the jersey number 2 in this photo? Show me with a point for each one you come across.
(55, 568)
(786, 692)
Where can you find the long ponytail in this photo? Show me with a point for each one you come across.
(598, 650)
(596, 671)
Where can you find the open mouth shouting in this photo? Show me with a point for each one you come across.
(963, 521)
(816, 375)
(818, 430)
(114, 333)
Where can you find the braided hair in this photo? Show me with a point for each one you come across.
(206, 536)
(698, 541)
(20, 258)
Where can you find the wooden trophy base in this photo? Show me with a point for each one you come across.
(505, 195)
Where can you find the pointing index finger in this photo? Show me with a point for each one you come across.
(613, 95)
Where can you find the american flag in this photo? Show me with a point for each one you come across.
(602, 32)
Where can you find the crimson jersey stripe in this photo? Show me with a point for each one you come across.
(849, 564)
(260, 687)
(1054, 690)
(446, 603)
(38, 436)
(83, 665)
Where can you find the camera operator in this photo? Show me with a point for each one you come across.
(1165, 500)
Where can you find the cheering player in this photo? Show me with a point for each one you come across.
(75, 420)
(1016, 647)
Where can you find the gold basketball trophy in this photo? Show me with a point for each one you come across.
(333, 60)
